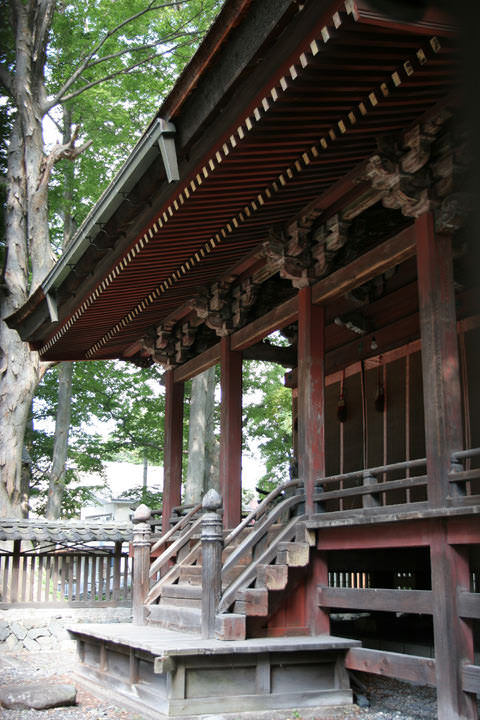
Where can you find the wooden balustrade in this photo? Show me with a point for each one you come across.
(56, 577)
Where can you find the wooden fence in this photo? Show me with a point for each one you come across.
(88, 577)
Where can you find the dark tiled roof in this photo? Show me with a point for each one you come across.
(63, 530)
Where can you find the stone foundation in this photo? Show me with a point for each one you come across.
(33, 629)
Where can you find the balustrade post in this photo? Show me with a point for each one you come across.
(212, 546)
(369, 500)
(141, 561)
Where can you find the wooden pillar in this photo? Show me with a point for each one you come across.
(231, 434)
(173, 447)
(318, 619)
(453, 637)
(311, 394)
(443, 435)
(440, 362)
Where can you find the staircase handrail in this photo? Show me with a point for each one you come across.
(259, 510)
(228, 595)
(261, 530)
(178, 526)
(174, 547)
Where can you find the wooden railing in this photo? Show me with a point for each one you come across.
(371, 488)
(54, 578)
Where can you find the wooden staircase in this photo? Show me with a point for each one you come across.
(258, 560)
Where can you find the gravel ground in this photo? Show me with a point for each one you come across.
(389, 699)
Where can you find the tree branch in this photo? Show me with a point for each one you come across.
(116, 73)
(59, 152)
(147, 46)
(84, 62)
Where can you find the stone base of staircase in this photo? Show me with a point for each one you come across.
(177, 674)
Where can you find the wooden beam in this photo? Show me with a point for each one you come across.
(198, 364)
(391, 535)
(255, 331)
(406, 601)
(411, 668)
(468, 604)
(286, 356)
(231, 433)
(374, 262)
(471, 678)
(311, 394)
(173, 447)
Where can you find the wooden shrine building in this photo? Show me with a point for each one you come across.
(308, 173)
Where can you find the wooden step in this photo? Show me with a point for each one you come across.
(191, 574)
(252, 601)
(303, 534)
(174, 617)
(228, 626)
(293, 554)
(272, 577)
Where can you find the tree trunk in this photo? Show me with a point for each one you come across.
(212, 446)
(200, 451)
(56, 485)
(19, 368)
(56, 482)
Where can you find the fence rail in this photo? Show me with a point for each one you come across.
(57, 577)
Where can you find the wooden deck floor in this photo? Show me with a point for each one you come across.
(178, 674)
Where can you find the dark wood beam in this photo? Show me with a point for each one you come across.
(411, 668)
(374, 262)
(468, 605)
(198, 364)
(275, 319)
(471, 678)
(406, 601)
(285, 356)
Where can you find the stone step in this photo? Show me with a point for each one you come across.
(293, 554)
(252, 601)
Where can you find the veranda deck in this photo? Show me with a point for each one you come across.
(154, 670)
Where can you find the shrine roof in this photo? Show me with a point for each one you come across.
(281, 102)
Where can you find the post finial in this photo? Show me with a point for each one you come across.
(142, 514)
(212, 500)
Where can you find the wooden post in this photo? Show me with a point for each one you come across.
(15, 571)
(453, 637)
(440, 362)
(443, 435)
(173, 447)
(318, 619)
(117, 557)
(231, 434)
(311, 394)
(212, 546)
(141, 561)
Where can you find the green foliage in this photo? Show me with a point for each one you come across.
(114, 113)
(267, 420)
(151, 496)
(117, 409)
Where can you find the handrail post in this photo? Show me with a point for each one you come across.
(141, 561)
(212, 546)
(369, 500)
